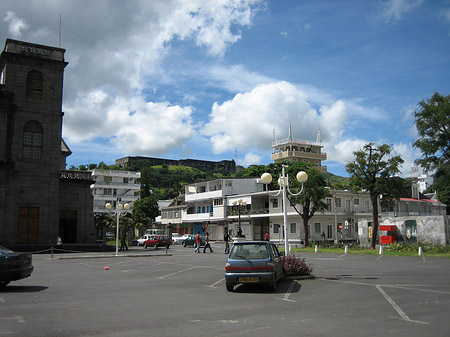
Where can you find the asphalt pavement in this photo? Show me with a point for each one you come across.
(182, 293)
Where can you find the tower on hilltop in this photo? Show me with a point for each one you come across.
(299, 150)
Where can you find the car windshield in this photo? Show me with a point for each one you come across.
(4, 250)
(253, 251)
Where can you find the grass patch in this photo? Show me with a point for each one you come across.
(364, 251)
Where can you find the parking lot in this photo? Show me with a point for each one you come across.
(183, 294)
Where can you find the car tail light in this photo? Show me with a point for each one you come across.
(268, 267)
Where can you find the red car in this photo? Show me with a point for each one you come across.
(158, 241)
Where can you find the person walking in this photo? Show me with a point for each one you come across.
(226, 238)
(197, 242)
(266, 236)
(207, 245)
(123, 243)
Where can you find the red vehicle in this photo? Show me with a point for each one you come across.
(158, 241)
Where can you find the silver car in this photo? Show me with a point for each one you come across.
(254, 262)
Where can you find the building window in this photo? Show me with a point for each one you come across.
(338, 202)
(317, 227)
(34, 85)
(328, 204)
(355, 201)
(329, 231)
(218, 202)
(293, 228)
(276, 228)
(32, 140)
(275, 203)
(107, 191)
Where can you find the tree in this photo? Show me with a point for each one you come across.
(374, 170)
(102, 221)
(145, 210)
(432, 120)
(312, 199)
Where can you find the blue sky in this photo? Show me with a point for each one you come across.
(211, 80)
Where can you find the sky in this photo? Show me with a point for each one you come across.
(218, 79)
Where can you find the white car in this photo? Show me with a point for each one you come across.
(145, 237)
(177, 238)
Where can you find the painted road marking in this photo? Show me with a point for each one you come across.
(19, 319)
(177, 272)
(396, 307)
(215, 283)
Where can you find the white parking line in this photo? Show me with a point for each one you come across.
(19, 319)
(289, 291)
(426, 290)
(215, 283)
(177, 272)
(396, 307)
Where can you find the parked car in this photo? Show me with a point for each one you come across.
(254, 262)
(177, 238)
(158, 241)
(110, 235)
(140, 241)
(14, 266)
(190, 241)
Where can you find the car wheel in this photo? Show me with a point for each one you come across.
(184, 244)
(229, 286)
(3, 284)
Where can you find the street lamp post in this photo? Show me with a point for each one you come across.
(239, 205)
(119, 210)
(283, 181)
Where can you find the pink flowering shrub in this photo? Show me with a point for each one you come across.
(295, 266)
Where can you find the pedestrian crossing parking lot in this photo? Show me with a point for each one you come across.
(183, 293)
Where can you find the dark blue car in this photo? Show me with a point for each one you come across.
(254, 262)
(14, 266)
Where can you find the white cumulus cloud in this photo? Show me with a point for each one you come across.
(248, 120)
(15, 24)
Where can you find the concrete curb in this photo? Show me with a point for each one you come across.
(302, 277)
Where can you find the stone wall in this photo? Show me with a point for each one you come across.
(429, 229)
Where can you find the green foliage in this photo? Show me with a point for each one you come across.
(145, 210)
(433, 125)
(432, 120)
(102, 221)
(414, 247)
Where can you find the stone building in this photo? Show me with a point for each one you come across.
(39, 200)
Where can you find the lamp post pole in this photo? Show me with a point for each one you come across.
(283, 181)
(238, 204)
(119, 209)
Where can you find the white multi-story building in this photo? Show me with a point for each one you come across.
(113, 185)
(204, 207)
